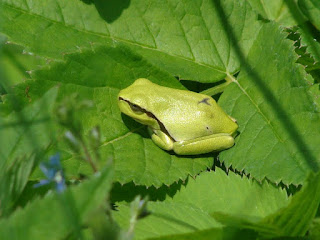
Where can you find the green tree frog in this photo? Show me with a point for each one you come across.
(186, 122)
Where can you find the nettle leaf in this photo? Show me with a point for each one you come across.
(309, 35)
(208, 193)
(58, 215)
(13, 181)
(311, 9)
(185, 38)
(288, 13)
(278, 119)
(25, 136)
(92, 75)
(294, 220)
(312, 45)
(167, 219)
(217, 191)
(276, 139)
(27, 131)
(314, 231)
(277, 10)
(213, 234)
(15, 63)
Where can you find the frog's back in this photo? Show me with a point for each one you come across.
(185, 114)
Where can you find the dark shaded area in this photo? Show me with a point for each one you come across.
(279, 111)
(129, 191)
(31, 193)
(132, 125)
(110, 10)
(315, 34)
(309, 32)
(263, 19)
(197, 86)
(306, 59)
(87, 1)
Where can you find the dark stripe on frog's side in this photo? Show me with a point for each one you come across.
(150, 114)
(205, 101)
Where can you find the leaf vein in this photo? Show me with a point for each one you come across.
(120, 40)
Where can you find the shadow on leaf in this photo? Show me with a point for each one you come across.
(110, 10)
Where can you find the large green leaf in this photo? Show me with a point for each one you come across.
(293, 220)
(309, 37)
(276, 10)
(289, 13)
(278, 120)
(213, 234)
(199, 198)
(311, 8)
(98, 75)
(217, 191)
(167, 219)
(27, 131)
(15, 65)
(13, 180)
(186, 38)
(24, 136)
(58, 215)
(314, 232)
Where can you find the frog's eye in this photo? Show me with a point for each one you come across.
(135, 108)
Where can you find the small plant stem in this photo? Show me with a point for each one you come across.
(219, 88)
(133, 221)
(88, 157)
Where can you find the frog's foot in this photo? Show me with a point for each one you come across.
(161, 139)
(215, 142)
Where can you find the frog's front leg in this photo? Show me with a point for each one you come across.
(215, 142)
(161, 139)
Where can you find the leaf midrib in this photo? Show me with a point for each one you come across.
(115, 39)
(268, 122)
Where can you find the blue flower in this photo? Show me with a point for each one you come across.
(53, 172)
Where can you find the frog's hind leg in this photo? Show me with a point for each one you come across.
(161, 139)
(215, 142)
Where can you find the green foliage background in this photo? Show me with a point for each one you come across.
(265, 53)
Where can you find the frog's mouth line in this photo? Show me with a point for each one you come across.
(135, 108)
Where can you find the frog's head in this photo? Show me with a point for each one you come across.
(231, 126)
(133, 101)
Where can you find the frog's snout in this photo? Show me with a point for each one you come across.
(233, 119)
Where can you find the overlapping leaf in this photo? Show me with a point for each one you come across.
(167, 219)
(24, 137)
(186, 38)
(201, 197)
(27, 131)
(217, 191)
(278, 119)
(293, 220)
(311, 8)
(290, 13)
(222, 56)
(277, 10)
(58, 215)
(98, 75)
